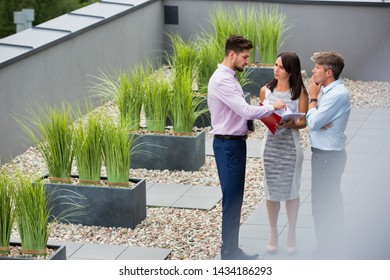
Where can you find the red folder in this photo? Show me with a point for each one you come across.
(271, 121)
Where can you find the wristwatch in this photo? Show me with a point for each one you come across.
(313, 100)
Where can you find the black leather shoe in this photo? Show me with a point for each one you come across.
(238, 255)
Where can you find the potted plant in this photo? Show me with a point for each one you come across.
(118, 201)
(161, 147)
(51, 128)
(185, 108)
(33, 208)
(117, 145)
(88, 147)
(7, 213)
(126, 89)
(270, 26)
(103, 206)
(200, 54)
(157, 101)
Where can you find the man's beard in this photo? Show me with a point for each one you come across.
(239, 69)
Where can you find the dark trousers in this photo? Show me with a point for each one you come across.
(230, 156)
(327, 202)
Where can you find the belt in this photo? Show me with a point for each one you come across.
(316, 150)
(231, 137)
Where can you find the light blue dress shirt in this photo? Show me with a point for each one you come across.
(228, 109)
(333, 107)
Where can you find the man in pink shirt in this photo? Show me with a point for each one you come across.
(229, 120)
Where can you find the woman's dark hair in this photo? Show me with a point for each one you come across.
(237, 43)
(292, 65)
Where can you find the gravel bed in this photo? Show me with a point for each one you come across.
(190, 234)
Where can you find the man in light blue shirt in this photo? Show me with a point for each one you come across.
(327, 119)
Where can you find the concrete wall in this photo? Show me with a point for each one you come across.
(358, 31)
(65, 70)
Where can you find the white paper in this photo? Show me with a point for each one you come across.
(287, 115)
(292, 116)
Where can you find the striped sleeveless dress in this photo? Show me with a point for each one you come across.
(282, 156)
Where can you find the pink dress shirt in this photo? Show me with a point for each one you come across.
(228, 108)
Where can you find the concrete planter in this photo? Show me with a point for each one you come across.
(171, 152)
(59, 253)
(104, 206)
(260, 76)
(201, 121)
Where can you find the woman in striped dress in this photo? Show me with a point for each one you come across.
(282, 173)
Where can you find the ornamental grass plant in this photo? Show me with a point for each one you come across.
(126, 89)
(263, 26)
(157, 101)
(183, 54)
(33, 208)
(186, 107)
(271, 26)
(88, 146)
(51, 128)
(33, 214)
(210, 53)
(7, 209)
(117, 145)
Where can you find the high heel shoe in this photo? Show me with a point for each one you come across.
(291, 250)
(291, 246)
(272, 248)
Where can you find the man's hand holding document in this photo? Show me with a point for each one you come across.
(278, 116)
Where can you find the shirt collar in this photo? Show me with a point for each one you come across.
(331, 85)
(227, 69)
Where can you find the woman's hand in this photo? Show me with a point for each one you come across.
(286, 124)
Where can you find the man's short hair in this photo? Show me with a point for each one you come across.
(330, 60)
(237, 43)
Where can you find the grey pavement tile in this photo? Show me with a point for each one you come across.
(305, 218)
(98, 252)
(201, 191)
(306, 164)
(353, 177)
(303, 194)
(260, 217)
(375, 123)
(355, 156)
(196, 202)
(256, 231)
(149, 184)
(183, 196)
(209, 147)
(173, 189)
(366, 144)
(380, 114)
(355, 124)
(161, 200)
(165, 194)
(305, 184)
(372, 132)
(144, 253)
(357, 166)
(305, 245)
(361, 113)
(254, 148)
(71, 247)
(305, 207)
